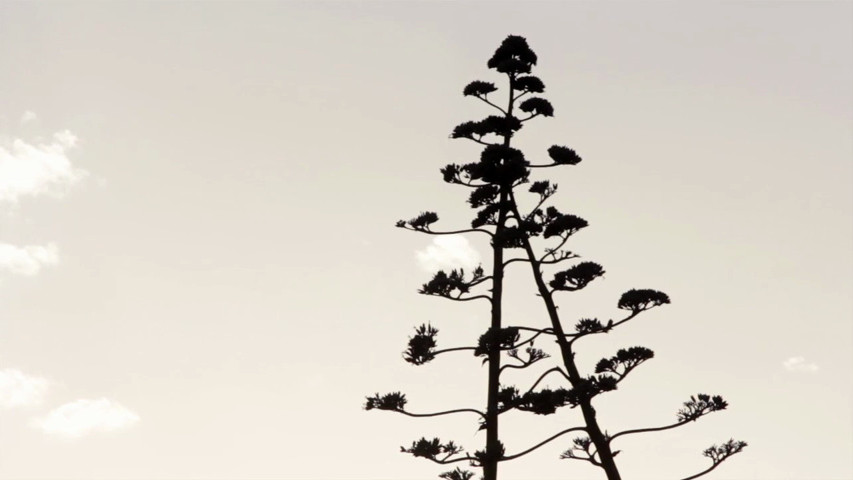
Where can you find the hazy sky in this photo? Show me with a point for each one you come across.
(200, 278)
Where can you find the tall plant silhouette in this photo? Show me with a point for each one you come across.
(495, 180)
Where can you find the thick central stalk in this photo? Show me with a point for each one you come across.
(493, 446)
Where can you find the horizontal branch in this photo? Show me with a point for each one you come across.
(437, 414)
(544, 166)
(652, 429)
(542, 443)
(455, 232)
(455, 349)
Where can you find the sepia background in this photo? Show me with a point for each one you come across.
(200, 277)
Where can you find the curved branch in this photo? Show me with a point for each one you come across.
(455, 232)
(477, 140)
(455, 349)
(445, 461)
(486, 100)
(610, 326)
(468, 299)
(652, 429)
(702, 472)
(553, 251)
(544, 166)
(518, 366)
(542, 443)
(546, 331)
(541, 377)
(448, 412)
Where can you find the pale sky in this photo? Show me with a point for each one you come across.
(200, 277)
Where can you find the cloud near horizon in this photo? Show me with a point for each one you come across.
(81, 417)
(30, 170)
(28, 117)
(17, 389)
(799, 364)
(448, 252)
(27, 260)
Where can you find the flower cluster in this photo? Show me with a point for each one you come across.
(493, 124)
(644, 299)
(563, 155)
(432, 448)
(590, 325)
(501, 338)
(560, 224)
(513, 56)
(699, 405)
(543, 402)
(719, 453)
(457, 474)
(537, 106)
(390, 401)
(624, 360)
(529, 83)
(421, 222)
(445, 285)
(422, 346)
(576, 277)
(479, 88)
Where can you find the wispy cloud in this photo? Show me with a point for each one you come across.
(28, 117)
(448, 252)
(27, 169)
(17, 389)
(85, 416)
(799, 364)
(27, 260)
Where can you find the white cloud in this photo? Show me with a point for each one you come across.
(84, 416)
(18, 389)
(799, 364)
(448, 252)
(27, 260)
(27, 169)
(28, 117)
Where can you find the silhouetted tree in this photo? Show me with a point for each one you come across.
(494, 182)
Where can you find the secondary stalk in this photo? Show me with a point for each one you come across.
(595, 434)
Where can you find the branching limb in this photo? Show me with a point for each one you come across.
(545, 166)
(544, 331)
(545, 374)
(454, 232)
(583, 446)
(552, 252)
(522, 120)
(592, 327)
(438, 414)
(517, 97)
(486, 100)
(460, 298)
(542, 443)
(455, 349)
(625, 360)
(533, 355)
(718, 454)
(698, 406)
